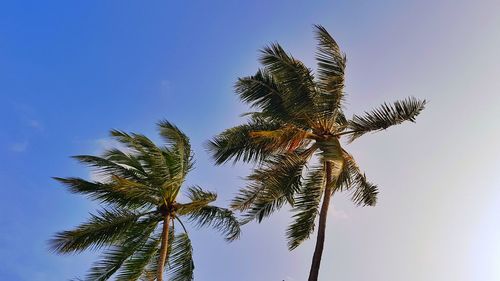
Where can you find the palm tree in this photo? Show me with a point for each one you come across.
(294, 135)
(139, 186)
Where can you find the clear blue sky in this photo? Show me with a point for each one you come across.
(72, 70)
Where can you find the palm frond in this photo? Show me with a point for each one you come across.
(135, 266)
(151, 156)
(385, 116)
(331, 65)
(117, 255)
(173, 136)
(109, 193)
(107, 168)
(262, 92)
(198, 198)
(306, 208)
(220, 219)
(151, 269)
(125, 159)
(278, 176)
(196, 193)
(179, 142)
(105, 228)
(292, 76)
(135, 191)
(364, 193)
(263, 205)
(236, 144)
(180, 260)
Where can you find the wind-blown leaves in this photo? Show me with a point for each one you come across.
(278, 177)
(152, 157)
(135, 266)
(198, 198)
(125, 159)
(103, 229)
(385, 116)
(363, 192)
(150, 271)
(293, 76)
(106, 167)
(179, 142)
(196, 193)
(331, 65)
(121, 253)
(237, 144)
(265, 203)
(306, 208)
(107, 192)
(180, 260)
(220, 219)
(261, 91)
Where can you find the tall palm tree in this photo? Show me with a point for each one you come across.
(295, 136)
(139, 186)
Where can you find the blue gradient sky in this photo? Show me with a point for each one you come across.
(72, 70)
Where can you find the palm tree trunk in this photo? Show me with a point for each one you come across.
(320, 240)
(163, 248)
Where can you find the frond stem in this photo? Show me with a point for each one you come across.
(182, 224)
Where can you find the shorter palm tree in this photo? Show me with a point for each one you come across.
(139, 187)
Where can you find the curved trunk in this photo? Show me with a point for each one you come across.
(320, 240)
(163, 248)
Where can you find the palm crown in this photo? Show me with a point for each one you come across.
(139, 186)
(299, 118)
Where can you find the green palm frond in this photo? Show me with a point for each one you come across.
(136, 265)
(261, 91)
(180, 261)
(149, 272)
(105, 167)
(246, 196)
(113, 258)
(220, 219)
(107, 192)
(272, 184)
(198, 198)
(196, 193)
(179, 142)
(364, 193)
(136, 143)
(106, 228)
(294, 77)
(278, 176)
(263, 205)
(151, 156)
(125, 159)
(135, 191)
(385, 116)
(173, 136)
(306, 208)
(331, 65)
(236, 143)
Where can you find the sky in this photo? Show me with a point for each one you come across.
(72, 70)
